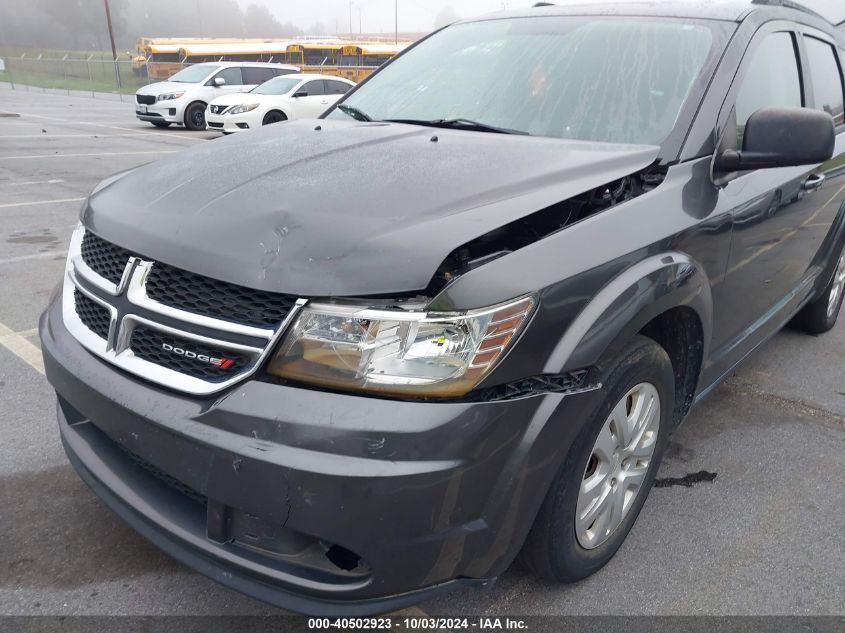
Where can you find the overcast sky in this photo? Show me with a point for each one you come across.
(377, 15)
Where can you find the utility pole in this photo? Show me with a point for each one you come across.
(350, 18)
(113, 51)
(360, 21)
(111, 32)
(396, 19)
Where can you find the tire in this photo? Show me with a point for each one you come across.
(273, 116)
(820, 315)
(559, 549)
(195, 116)
(161, 124)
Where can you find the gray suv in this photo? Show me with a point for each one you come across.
(356, 362)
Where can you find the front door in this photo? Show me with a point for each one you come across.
(771, 250)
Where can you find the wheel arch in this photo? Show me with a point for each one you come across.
(665, 297)
(275, 108)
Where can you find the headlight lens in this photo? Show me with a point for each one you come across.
(242, 108)
(169, 96)
(397, 352)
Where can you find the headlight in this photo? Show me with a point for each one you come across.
(169, 96)
(242, 108)
(397, 352)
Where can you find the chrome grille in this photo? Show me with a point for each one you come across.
(172, 327)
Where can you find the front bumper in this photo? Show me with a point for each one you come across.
(230, 123)
(167, 111)
(254, 488)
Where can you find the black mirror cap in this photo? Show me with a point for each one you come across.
(783, 137)
(301, 93)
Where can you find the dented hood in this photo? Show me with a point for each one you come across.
(350, 209)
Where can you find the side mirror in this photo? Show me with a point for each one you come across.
(782, 137)
(301, 93)
(219, 81)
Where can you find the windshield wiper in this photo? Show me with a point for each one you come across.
(355, 113)
(459, 124)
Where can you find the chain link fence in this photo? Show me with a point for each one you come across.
(101, 77)
(92, 74)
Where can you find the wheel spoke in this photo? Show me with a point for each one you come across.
(594, 500)
(634, 478)
(605, 445)
(616, 503)
(621, 423)
(642, 451)
(645, 416)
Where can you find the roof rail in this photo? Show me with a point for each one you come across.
(789, 4)
(543, 4)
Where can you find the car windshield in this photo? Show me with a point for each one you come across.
(194, 74)
(622, 80)
(277, 86)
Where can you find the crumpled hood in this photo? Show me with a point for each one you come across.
(336, 208)
(163, 87)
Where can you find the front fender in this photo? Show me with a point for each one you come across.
(627, 303)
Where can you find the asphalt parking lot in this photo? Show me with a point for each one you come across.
(766, 536)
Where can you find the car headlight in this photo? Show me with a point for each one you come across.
(242, 108)
(169, 96)
(398, 352)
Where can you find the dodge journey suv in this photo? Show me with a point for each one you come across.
(548, 235)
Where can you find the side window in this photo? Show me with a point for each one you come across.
(313, 88)
(278, 72)
(771, 79)
(337, 87)
(257, 74)
(232, 75)
(827, 78)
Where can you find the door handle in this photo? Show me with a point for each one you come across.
(814, 182)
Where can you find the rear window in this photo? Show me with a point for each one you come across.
(619, 80)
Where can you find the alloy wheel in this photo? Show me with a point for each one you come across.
(618, 465)
(838, 287)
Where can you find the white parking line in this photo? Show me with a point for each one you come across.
(16, 343)
(92, 135)
(171, 135)
(26, 258)
(157, 151)
(54, 181)
(32, 204)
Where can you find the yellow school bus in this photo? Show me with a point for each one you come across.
(315, 55)
(168, 55)
(359, 61)
(241, 51)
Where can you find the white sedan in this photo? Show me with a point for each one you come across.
(300, 96)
